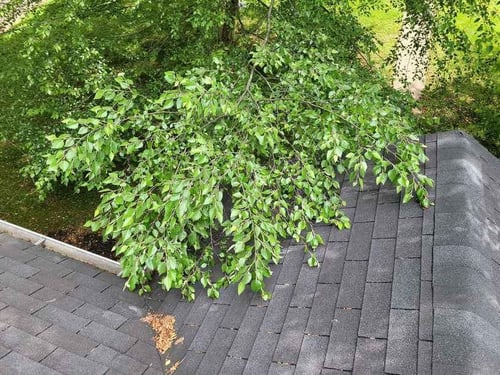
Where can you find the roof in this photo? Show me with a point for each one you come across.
(405, 291)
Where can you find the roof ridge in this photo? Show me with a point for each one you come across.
(466, 257)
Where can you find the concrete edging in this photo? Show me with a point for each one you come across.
(62, 248)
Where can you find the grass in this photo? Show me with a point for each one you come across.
(385, 24)
(470, 104)
(19, 203)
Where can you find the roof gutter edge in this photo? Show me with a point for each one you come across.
(62, 248)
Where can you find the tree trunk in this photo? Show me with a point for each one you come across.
(227, 30)
(412, 55)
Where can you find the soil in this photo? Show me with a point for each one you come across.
(85, 239)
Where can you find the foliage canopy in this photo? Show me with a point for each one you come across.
(203, 169)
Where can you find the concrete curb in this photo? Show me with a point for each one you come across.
(60, 247)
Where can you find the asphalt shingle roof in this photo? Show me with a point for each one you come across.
(405, 291)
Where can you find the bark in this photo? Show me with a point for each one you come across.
(412, 55)
(227, 30)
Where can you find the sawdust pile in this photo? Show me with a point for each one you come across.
(163, 326)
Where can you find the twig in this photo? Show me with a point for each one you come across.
(254, 66)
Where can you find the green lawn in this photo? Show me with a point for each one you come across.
(19, 203)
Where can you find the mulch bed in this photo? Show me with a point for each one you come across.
(85, 239)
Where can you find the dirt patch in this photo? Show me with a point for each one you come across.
(85, 239)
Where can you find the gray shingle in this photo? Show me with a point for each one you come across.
(342, 345)
(107, 336)
(465, 351)
(227, 295)
(386, 221)
(46, 265)
(426, 264)
(430, 152)
(20, 284)
(262, 353)
(243, 343)
(290, 340)
(71, 364)
(428, 221)
(406, 284)
(366, 207)
(190, 363)
(44, 253)
(58, 299)
(208, 328)
(381, 264)
(375, 312)
(11, 242)
(237, 310)
(312, 355)
(344, 234)
(22, 320)
(127, 366)
(16, 267)
(350, 197)
(87, 281)
(16, 364)
(410, 209)
(102, 354)
(127, 310)
(217, 352)
(443, 369)
(424, 363)
(233, 366)
(454, 229)
(402, 342)
(105, 317)
(473, 299)
(276, 311)
(93, 297)
(324, 231)
(469, 334)
(303, 293)
(409, 240)
(145, 353)
(61, 318)
(388, 194)
(323, 310)
(153, 371)
(15, 253)
(333, 264)
(138, 329)
(281, 369)
(80, 267)
(464, 257)
(3, 351)
(178, 351)
(11, 337)
(54, 282)
(291, 265)
(353, 284)
(370, 356)
(59, 337)
(170, 301)
(359, 245)
(20, 301)
(126, 296)
(426, 311)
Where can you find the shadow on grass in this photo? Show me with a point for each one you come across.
(466, 105)
(19, 202)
